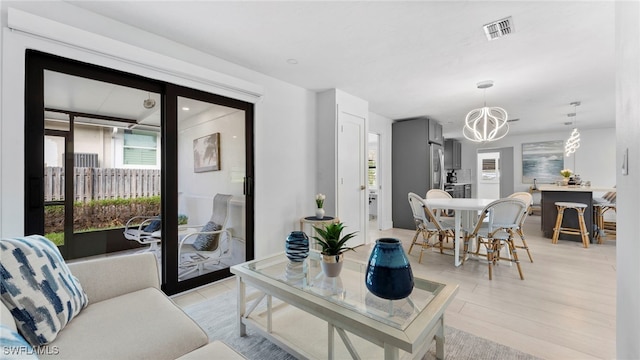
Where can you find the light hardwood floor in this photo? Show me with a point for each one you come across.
(564, 309)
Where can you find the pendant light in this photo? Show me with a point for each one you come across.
(573, 142)
(487, 123)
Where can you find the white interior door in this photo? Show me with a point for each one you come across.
(489, 175)
(352, 181)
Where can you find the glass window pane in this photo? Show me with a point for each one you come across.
(136, 156)
(136, 139)
(114, 147)
(211, 170)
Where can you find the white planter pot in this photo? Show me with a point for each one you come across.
(332, 264)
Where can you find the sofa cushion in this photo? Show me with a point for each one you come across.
(207, 242)
(143, 324)
(38, 288)
(213, 350)
(14, 346)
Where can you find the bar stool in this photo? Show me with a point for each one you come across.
(598, 216)
(580, 208)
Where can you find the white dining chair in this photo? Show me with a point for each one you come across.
(527, 198)
(503, 217)
(428, 225)
(439, 194)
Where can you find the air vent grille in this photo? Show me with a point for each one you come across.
(499, 28)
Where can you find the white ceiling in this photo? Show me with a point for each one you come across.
(86, 96)
(68, 92)
(411, 58)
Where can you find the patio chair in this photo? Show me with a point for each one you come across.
(527, 198)
(428, 225)
(503, 218)
(145, 230)
(209, 243)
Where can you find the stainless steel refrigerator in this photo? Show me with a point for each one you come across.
(417, 166)
(437, 166)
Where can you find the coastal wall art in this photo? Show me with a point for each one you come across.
(542, 161)
(206, 153)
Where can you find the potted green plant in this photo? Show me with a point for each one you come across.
(566, 174)
(333, 246)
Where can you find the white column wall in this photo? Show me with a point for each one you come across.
(628, 132)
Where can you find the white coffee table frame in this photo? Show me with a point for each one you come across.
(414, 339)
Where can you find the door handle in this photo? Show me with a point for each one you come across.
(362, 187)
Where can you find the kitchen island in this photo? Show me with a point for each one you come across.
(550, 194)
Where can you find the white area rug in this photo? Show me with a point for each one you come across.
(217, 316)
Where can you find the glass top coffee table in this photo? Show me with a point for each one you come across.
(307, 302)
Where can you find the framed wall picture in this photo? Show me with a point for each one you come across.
(542, 161)
(206, 153)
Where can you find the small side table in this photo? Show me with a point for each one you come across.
(314, 221)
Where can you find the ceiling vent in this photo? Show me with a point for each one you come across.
(499, 28)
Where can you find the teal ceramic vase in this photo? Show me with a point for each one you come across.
(389, 274)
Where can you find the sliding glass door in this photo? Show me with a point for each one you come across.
(213, 167)
(116, 163)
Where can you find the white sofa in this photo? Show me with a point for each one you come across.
(128, 317)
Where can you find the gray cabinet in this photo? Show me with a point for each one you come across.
(411, 166)
(452, 154)
(435, 132)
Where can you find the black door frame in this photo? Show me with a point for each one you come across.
(37, 62)
(171, 185)
(68, 190)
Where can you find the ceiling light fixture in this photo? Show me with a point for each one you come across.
(573, 142)
(184, 108)
(487, 123)
(149, 103)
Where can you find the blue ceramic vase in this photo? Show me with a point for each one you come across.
(297, 246)
(389, 274)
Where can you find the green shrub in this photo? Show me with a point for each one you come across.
(101, 214)
(56, 237)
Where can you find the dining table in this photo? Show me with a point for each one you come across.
(465, 215)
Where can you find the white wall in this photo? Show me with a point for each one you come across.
(382, 126)
(227, 180)
(284, 115)
(595, 160)
(196, 190)
(628, 133)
